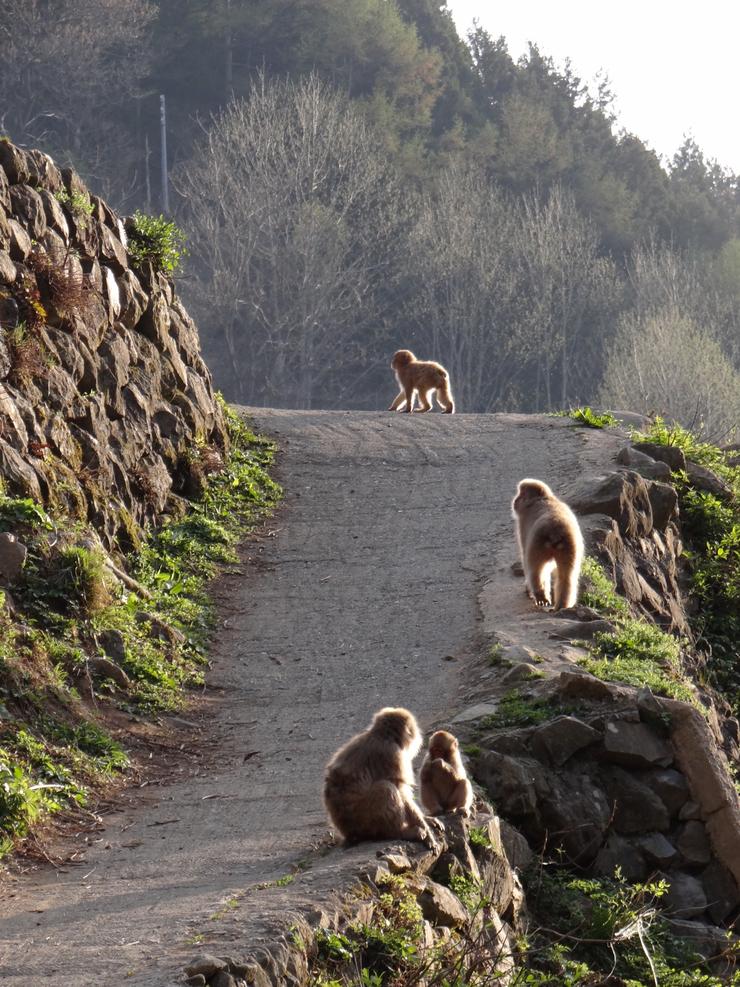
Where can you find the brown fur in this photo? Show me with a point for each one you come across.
(444, 783)
(368, 784)
(549, 538)
(420, 377)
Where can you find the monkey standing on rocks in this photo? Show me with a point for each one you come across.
(444, 783)
(420, 377)
(549, 538)
(368, 784)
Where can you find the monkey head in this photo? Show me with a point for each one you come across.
(529, 491)
(398, 726)
(442, 744)
(402, 358)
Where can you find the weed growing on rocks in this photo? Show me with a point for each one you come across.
(710, 522)
(639, 653)
(592, 419)
(394, 946)
(78, 204)
(597, 590)
(517, 709)
(586, 930)
(157, 241)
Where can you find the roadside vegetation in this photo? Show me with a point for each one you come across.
(590, 930)
(710, 524)
(581, 931)
(76, 643)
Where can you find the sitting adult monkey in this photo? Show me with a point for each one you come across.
(368, 783)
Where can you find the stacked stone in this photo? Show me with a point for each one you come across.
(634, 782)
(107, 424)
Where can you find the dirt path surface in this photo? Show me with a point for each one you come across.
(391, 527)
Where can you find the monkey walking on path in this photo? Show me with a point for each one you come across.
(420, 377)
(549, 539)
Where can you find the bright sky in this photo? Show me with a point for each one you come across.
(673, 66)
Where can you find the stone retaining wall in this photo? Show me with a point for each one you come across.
(107, 410)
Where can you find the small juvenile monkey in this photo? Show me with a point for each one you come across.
(420, 377)
(368, 783)
(444, 783)
(549, 539)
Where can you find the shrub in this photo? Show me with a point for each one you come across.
(592, 419)
(157, 241)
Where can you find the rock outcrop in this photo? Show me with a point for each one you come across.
(106, 406)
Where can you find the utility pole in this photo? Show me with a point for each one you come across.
(147, 175)
(165, 179)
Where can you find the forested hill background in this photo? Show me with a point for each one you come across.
(352, 177)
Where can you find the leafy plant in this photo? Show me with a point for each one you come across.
(592, 419)
(157, 241)
(78, 203)
(594, 928)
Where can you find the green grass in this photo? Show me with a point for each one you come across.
(598, 591)
(516, 709)
(54, 749)
(639, 653)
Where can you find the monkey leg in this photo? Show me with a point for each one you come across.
(538, 568)
(426, 404)
(444, 399)
(458, 797)
(417, 827)
(409, 391)
(398, 401)
(566, 581)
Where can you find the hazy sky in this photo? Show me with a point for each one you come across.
(674, 67)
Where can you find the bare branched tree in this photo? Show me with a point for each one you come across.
(662, 363)
(461, 288)
(65, 67)
(293, 218)
(571, 292)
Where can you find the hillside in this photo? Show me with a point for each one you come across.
(486, 210)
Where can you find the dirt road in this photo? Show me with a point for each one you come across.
(390, 526)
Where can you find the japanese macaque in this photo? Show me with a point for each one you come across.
(420, 377)
(444, 783)
(550, 543)
(368, 783)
